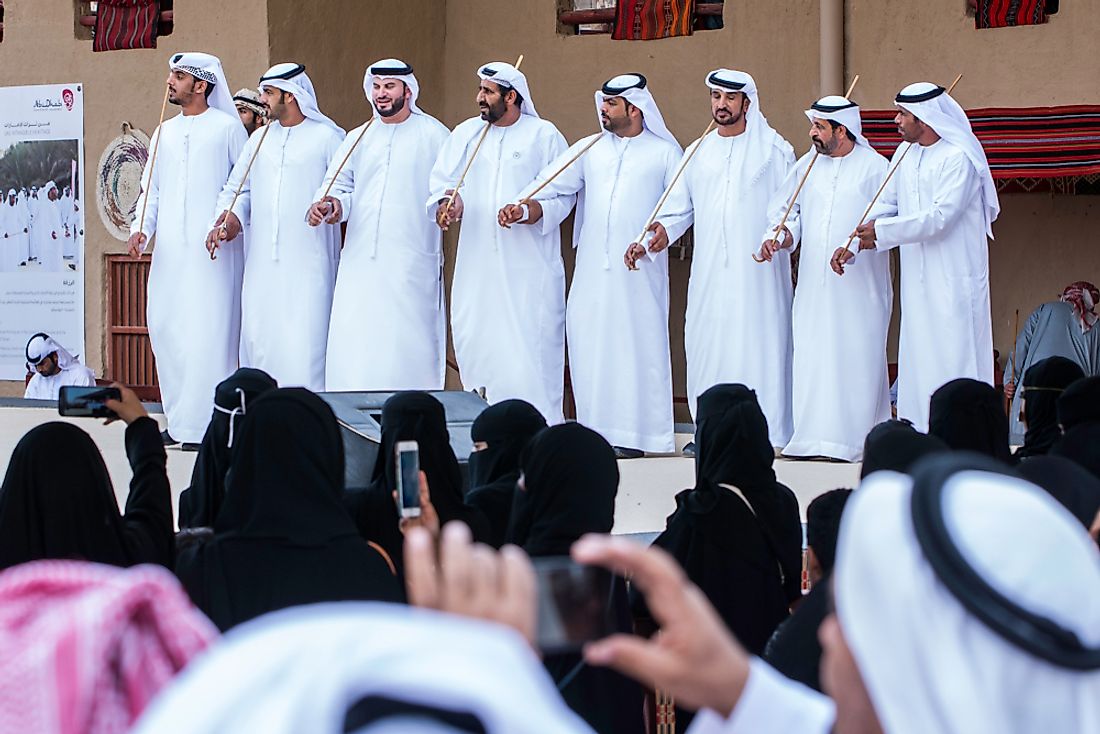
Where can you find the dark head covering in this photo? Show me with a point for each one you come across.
(1066, 481)
(1080, 403)
(200, 503)
(748, 561)
(507, 428)
(1081, 444)
(57, 500)
(283, 536)
(968, 415)
(570, 479)
(895, 446)
(1043, 383)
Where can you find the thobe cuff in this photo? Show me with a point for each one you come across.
(770, 703)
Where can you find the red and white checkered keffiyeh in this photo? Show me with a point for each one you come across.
(85, 647)
(1083, 296)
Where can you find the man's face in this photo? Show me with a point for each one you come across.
(181, 87)
(390, 96)
(824, 137)
(276, 100)
(728, 107)
(249, 119)
(48, 366)
(53, 195)
(909, 126)
(615, 114)
(492, 101)
(842, 682)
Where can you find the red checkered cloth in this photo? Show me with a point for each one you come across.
(1006, 13)
(87, 646)
(126, 24)
(1084, 297)
(647, 20)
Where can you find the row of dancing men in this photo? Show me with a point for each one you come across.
(275, 288)
(39, 228)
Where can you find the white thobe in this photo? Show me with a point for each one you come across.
(737, 328)
(508, 295)
(840, 388)
(194, 303)
(49, 388)
(48, 235)
(70, 217)
(389, 324)
(290, 270)
(13, 237)
(617, 319)
(932, 207)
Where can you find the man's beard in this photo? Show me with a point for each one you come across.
(822, 147)
(395, 106)
(613, 125)
(732, 120)
(494, 112)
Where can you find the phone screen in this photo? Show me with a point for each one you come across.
(574, 604)
(86, 402)
(408, 477)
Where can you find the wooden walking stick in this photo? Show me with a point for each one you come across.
(153, 162)
(350, 151)
(798, 189)
(240, 187)
(848, 244)
(443, 210)
(664, 197)
(527, 199)
(1015, 346)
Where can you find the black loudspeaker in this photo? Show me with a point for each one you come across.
(360, 418)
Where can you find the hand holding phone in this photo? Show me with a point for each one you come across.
(574, 604)
(408, 477)
(87, 402)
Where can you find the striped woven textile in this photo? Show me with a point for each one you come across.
(1006, 13)
(1020, 142)
(126, 24)
(648, 20)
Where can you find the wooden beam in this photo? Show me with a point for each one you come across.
(607, 15)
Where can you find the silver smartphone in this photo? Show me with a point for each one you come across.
(408, 477)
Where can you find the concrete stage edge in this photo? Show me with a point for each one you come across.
(647, 488)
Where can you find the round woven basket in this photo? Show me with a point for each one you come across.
(118, 180)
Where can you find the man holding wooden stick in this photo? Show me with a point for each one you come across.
(938, 207)
(839, 325)
(616, 320)
(194, 305)
(290, 270)
(388, 329)
(738, 322)
(508, 295)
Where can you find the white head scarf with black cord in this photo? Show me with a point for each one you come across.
(208, 68)
(634, 89)
(392, 69)
(291, 77)
(762, 139)
(509, 77)
(842, 111)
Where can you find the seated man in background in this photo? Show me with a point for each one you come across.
(53, 367)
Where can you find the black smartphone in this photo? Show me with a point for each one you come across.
(87, 402)
(574, 604)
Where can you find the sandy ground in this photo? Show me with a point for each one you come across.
(646, 494)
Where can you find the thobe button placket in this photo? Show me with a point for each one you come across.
(835, 164)
(385, 174)
(611, 206)
(278, 195)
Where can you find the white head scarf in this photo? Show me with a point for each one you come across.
(299, 670)
(208, 68)
(291, 77)
(47, 187)
(632, 88)
(933, 106)
(509, 77)
(840, 110)
(42, 345)
(928, 663)
(392, 69)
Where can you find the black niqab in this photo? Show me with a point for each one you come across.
(968, 415)
(57, 500)
(201, 502)
(895, 446)
(507, 428)
(1066, 481)
(1080, 403)
(1044, 383)
(283, 536)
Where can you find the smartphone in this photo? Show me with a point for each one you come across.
(408, 477)
(87, 402)
(574, 604)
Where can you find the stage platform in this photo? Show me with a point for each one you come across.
(646, 492)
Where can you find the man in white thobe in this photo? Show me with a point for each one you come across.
(616, 319)
(508, 295)
(194, 306)
(17, 228)
(388, 329)
(738, 323)
(840, 388)
(939, 207)
(290, 270)
(54, 367)
(48, 230)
